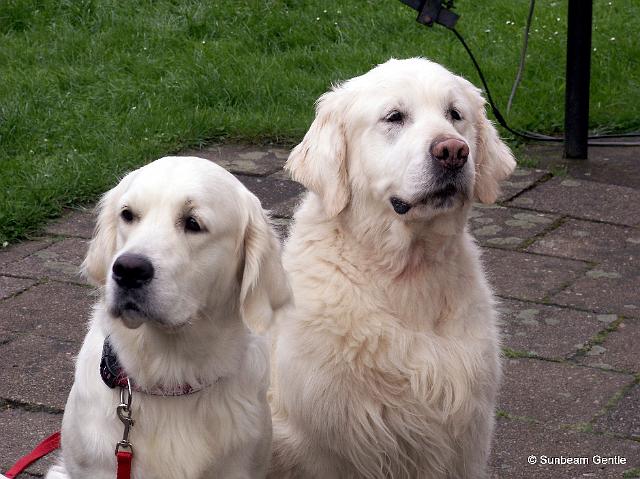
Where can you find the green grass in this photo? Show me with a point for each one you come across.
(631, 473)
(92, 88)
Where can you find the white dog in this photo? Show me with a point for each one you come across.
(388, 366)
(183, 254)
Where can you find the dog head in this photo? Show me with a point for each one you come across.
(181, 239)
(408, 138)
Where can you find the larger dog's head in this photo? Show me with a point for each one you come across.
(408, 138)
(180, 240)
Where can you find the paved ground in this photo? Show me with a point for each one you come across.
(562, 252)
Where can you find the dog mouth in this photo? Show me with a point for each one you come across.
(130, 313)
(133, 315)
(129, 309)
(439, 199)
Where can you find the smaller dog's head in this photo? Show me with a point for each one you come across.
(182, 240)
(408, 139)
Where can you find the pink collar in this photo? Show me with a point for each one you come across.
(113, 375)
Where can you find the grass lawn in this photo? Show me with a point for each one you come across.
(92, 88)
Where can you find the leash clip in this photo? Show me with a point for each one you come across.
(124, 414)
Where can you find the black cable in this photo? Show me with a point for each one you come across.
(494, 108)
(530, 135)
(523, 55)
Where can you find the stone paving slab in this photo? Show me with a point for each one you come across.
(507, 227)
(620, 350)
(624, 417)
(557, 393)
(244, 160)
(528, 276)
(10, 286)
(584, 199)
(286, 208)
(49, 318)
(281, 226)
(588, 241)
(272, 193)
(74, 223)
(281, 174)
(520, 179)
(612, 286)
(548, 331)
(22, 250)
(51, 309)
(517, 440)
(37, 370)
(60, 261)
(615, 166)
(21, 432)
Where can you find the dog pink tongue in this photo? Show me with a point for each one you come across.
(131, 321)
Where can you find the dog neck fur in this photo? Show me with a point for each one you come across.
(197, 354)
(399, 247)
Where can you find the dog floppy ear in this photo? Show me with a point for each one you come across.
(264, 287)
(494, 161)
(319, 162)
(103, 244)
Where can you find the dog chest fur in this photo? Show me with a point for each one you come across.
(426, 359)
(168, 437)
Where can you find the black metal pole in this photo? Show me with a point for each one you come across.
(576, 112)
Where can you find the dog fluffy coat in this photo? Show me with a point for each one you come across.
(187, 326)
(388, 366)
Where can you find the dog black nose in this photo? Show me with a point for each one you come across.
(449, 153)
(132, 270)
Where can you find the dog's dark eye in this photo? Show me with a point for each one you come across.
(455, 114)
(127, 215)
(190, 224)
(394, 117)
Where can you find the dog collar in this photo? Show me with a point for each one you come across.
(113, 375)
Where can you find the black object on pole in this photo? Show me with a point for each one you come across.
(434, 11)
(576, 112)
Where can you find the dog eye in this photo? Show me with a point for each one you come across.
(190, 224)
(127, 215)
(394, 117)
(455, 114)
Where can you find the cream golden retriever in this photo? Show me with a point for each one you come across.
(185, 260)
(389, 364)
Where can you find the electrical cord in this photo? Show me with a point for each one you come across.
(523, 55)
(527, 134)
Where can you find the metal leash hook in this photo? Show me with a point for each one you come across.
(124, 414)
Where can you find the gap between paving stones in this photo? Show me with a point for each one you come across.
(543, 179)
(562, 306)
(29, 407)
(38, 282)
(596, 339)
(613, 402)
(510, 353)
(586, 428)
(552, 227)
(546, 300)
(568, 216)
(42, 281)
(599, 338)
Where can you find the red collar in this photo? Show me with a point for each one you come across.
(113, 375)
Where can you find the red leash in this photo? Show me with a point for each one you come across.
(124, 464)
(50, 444)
